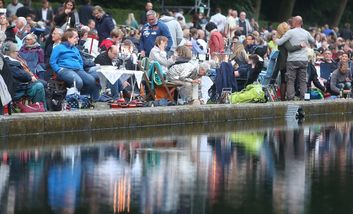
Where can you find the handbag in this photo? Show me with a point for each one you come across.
(31, 108)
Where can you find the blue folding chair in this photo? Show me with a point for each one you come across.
(266, 76)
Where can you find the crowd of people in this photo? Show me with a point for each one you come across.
(69, 44)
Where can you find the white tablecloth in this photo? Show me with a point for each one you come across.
(112, 74)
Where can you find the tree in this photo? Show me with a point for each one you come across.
(338, 14)
(286, 9)
(257, 9)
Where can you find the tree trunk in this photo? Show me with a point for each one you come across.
(257, 9)
(286, 10)
(338, 14)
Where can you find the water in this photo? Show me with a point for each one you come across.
(193, 169)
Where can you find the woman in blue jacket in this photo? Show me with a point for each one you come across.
(67, 63)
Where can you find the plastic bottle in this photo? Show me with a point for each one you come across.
(341, 93)
(307, 95)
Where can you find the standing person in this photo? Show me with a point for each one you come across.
(143, 17)
(12, 8)
(104, 23)
(282, 58)
(85, 12)
(67, 17)
(150, 31)
(131, 21)
(297, 61)
(175, 30)
(67, 63)
(219, 19)
(26, 10)
(244, 24)
(45, 14)
(215, 43)
(231, 25)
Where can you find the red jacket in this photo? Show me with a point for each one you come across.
(216, 43)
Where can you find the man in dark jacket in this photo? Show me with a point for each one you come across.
(104, 23)
(85, 12)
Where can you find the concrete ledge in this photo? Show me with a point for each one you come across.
(53, 122)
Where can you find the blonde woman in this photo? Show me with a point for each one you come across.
(282, 57)
(240, 57)
(131, 21)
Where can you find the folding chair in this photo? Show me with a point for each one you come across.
(326, 69)
(148, 92)
(163, 88)
(266, 76)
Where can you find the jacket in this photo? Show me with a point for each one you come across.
(174, 29)
(183, 72)
(65, 56)
(34, 57)
(22, 79)
(216, 43)
(149, 34)
(161, 57)
(104, 26)
(225, 78)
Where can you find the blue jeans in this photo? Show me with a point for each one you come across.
(85, 82)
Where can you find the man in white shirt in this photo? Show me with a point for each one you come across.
(219, 19)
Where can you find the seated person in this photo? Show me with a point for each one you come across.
(91, 43)
(159, 54)
(33, 54)
(26, 84)
(116, 35)
(67, 63)
(312, 73)
(128, 57)
(107, 58)
(248, 73)
(327, 64)
(341, 78)
(186, 73)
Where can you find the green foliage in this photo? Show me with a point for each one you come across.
(313, 12)
(120, 15)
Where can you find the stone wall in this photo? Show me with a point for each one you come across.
(84, 120)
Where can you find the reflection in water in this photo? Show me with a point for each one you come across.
(279, 170)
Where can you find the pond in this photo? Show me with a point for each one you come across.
(211, 168)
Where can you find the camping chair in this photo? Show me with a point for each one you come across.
(325, 70)
(162, 88)
(147, 93)
(266, 76)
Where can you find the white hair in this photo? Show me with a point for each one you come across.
(23, 20)
(204, 65)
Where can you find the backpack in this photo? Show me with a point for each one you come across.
(252, 93)
(55, 95)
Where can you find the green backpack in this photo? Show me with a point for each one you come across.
(253, 93)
